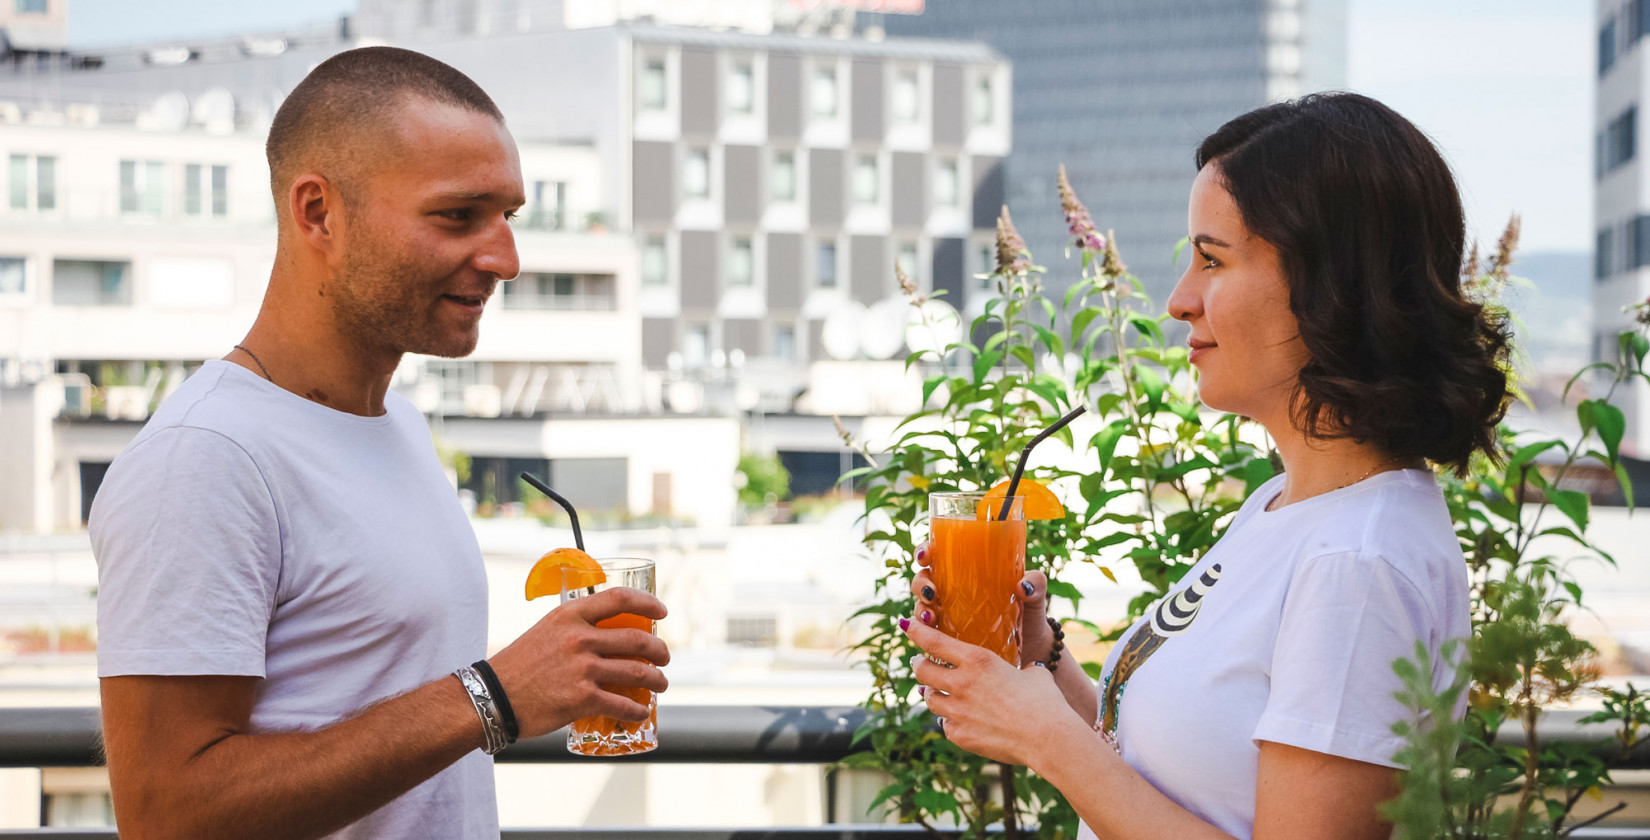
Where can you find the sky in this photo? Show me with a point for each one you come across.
(1503, 86)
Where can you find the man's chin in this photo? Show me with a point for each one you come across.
(453, 347)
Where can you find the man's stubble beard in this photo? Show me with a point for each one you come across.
(382, 301)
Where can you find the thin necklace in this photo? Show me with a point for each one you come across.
(260, 363)
(1372, 470)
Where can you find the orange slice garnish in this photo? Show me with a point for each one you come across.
(546, 577)
(1040, 502)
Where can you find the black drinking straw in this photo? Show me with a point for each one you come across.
(578, 536)
(1025, 455)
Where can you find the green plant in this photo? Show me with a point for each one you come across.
(1522, 658)
(765, 479)
(1167, 480)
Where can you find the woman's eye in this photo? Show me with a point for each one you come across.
(1208, 261)
(455, 215)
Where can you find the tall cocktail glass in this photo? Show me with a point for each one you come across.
(977, 560)
(605, 735)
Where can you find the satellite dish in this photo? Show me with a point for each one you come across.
(933, 327)
(170, 112)
(882, 330)
(215, 109)
(840, 334)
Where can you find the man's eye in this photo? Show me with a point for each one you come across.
(462, 215)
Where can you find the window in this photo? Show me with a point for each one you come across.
(782, 180)
(1602, 264)
(753, 632)
(867, 181)
(824, 95)
(140, 186)
(907, 259)
(196, 198)
(696, 346)
(741, 263)
(32, 182)
(655, 262)
(946, 183)
(652, 85)
(987, 262)
(784, 342)
(696, 174)
(31, 7)
(1620, 139)
(543, 290)
(1607, 46)
(1638, 242)
(825, 266)
(907, 99)
(742, 88)
(14, 280)
(91, 283)
(548, 208)
(985, 101)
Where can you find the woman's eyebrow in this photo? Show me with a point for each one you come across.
(1205, 239)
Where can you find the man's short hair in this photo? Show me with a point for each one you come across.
(354, 93)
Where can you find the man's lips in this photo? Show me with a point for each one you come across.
(472, 301)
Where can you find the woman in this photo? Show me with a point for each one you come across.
(1256, 700)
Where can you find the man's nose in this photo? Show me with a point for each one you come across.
(498, 255)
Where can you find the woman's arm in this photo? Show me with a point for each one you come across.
(1022, 717)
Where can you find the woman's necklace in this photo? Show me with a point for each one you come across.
(1372, 470)
(259, 362)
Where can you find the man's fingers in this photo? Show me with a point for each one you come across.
(616, 601)
(628, 672)
(630, 642)
(618, 707)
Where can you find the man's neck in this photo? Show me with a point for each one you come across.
(303, 352)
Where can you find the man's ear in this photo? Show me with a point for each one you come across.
(316, 209)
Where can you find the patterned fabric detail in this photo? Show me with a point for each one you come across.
(1171, 618)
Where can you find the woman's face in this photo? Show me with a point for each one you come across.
(1244, 342)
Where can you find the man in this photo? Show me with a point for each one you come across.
(287, 583)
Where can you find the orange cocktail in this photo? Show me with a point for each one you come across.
(977, 560)
(605, 735)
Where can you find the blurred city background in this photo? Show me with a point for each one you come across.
(718, 192)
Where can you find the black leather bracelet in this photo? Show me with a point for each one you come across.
(512, 729)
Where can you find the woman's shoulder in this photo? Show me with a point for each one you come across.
(1397, 520)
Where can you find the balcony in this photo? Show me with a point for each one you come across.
(67, 737)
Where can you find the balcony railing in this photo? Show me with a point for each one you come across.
(68, 737)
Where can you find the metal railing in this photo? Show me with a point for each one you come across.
(68, 737)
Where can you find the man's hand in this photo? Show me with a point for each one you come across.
(560, 670)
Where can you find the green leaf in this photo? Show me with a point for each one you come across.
(1151, 383)
(935, 801)
(1573, 503)
(1023, 353)
(1093, 669)
(1626, 484)
(1526, 454)
(1255, 473)
(1611, 425)
(1061, 589)
(1080, 322)
(1148, 327)
(984, 362)
(929, 385)
(1104, 442)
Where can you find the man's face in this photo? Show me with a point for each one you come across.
(426, 234)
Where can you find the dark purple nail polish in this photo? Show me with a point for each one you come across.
(905, 624)
(1029, 589)
(928, 593)
(922, 554)
(927, 617)
(922, 691)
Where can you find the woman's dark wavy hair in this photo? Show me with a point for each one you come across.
(1367, 220)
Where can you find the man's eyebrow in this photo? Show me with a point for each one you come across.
(483, 197)
(1206, 239)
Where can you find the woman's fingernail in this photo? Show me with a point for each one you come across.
(1029, 589)
(922, 691)
(905, 624)
(922, 553)
(928, 593)
(927, 617)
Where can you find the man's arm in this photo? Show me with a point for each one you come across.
(184, 763)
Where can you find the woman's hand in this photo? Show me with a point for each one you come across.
(991, 708)
(1036, 638)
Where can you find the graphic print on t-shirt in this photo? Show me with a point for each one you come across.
(1171, 618)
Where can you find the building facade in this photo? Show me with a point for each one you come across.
(1621, 197)
(1121, 92)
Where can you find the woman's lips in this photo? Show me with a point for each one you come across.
(1199, 348)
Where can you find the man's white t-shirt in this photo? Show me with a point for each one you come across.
(1286, 631)
(249, 531)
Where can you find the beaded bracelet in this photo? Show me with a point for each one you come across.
(1059, 645)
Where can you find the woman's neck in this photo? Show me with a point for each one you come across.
(1314, 466)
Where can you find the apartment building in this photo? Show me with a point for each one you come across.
(1621, 196)
(135, 243)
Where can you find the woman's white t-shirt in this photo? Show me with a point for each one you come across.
(1286, 631)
